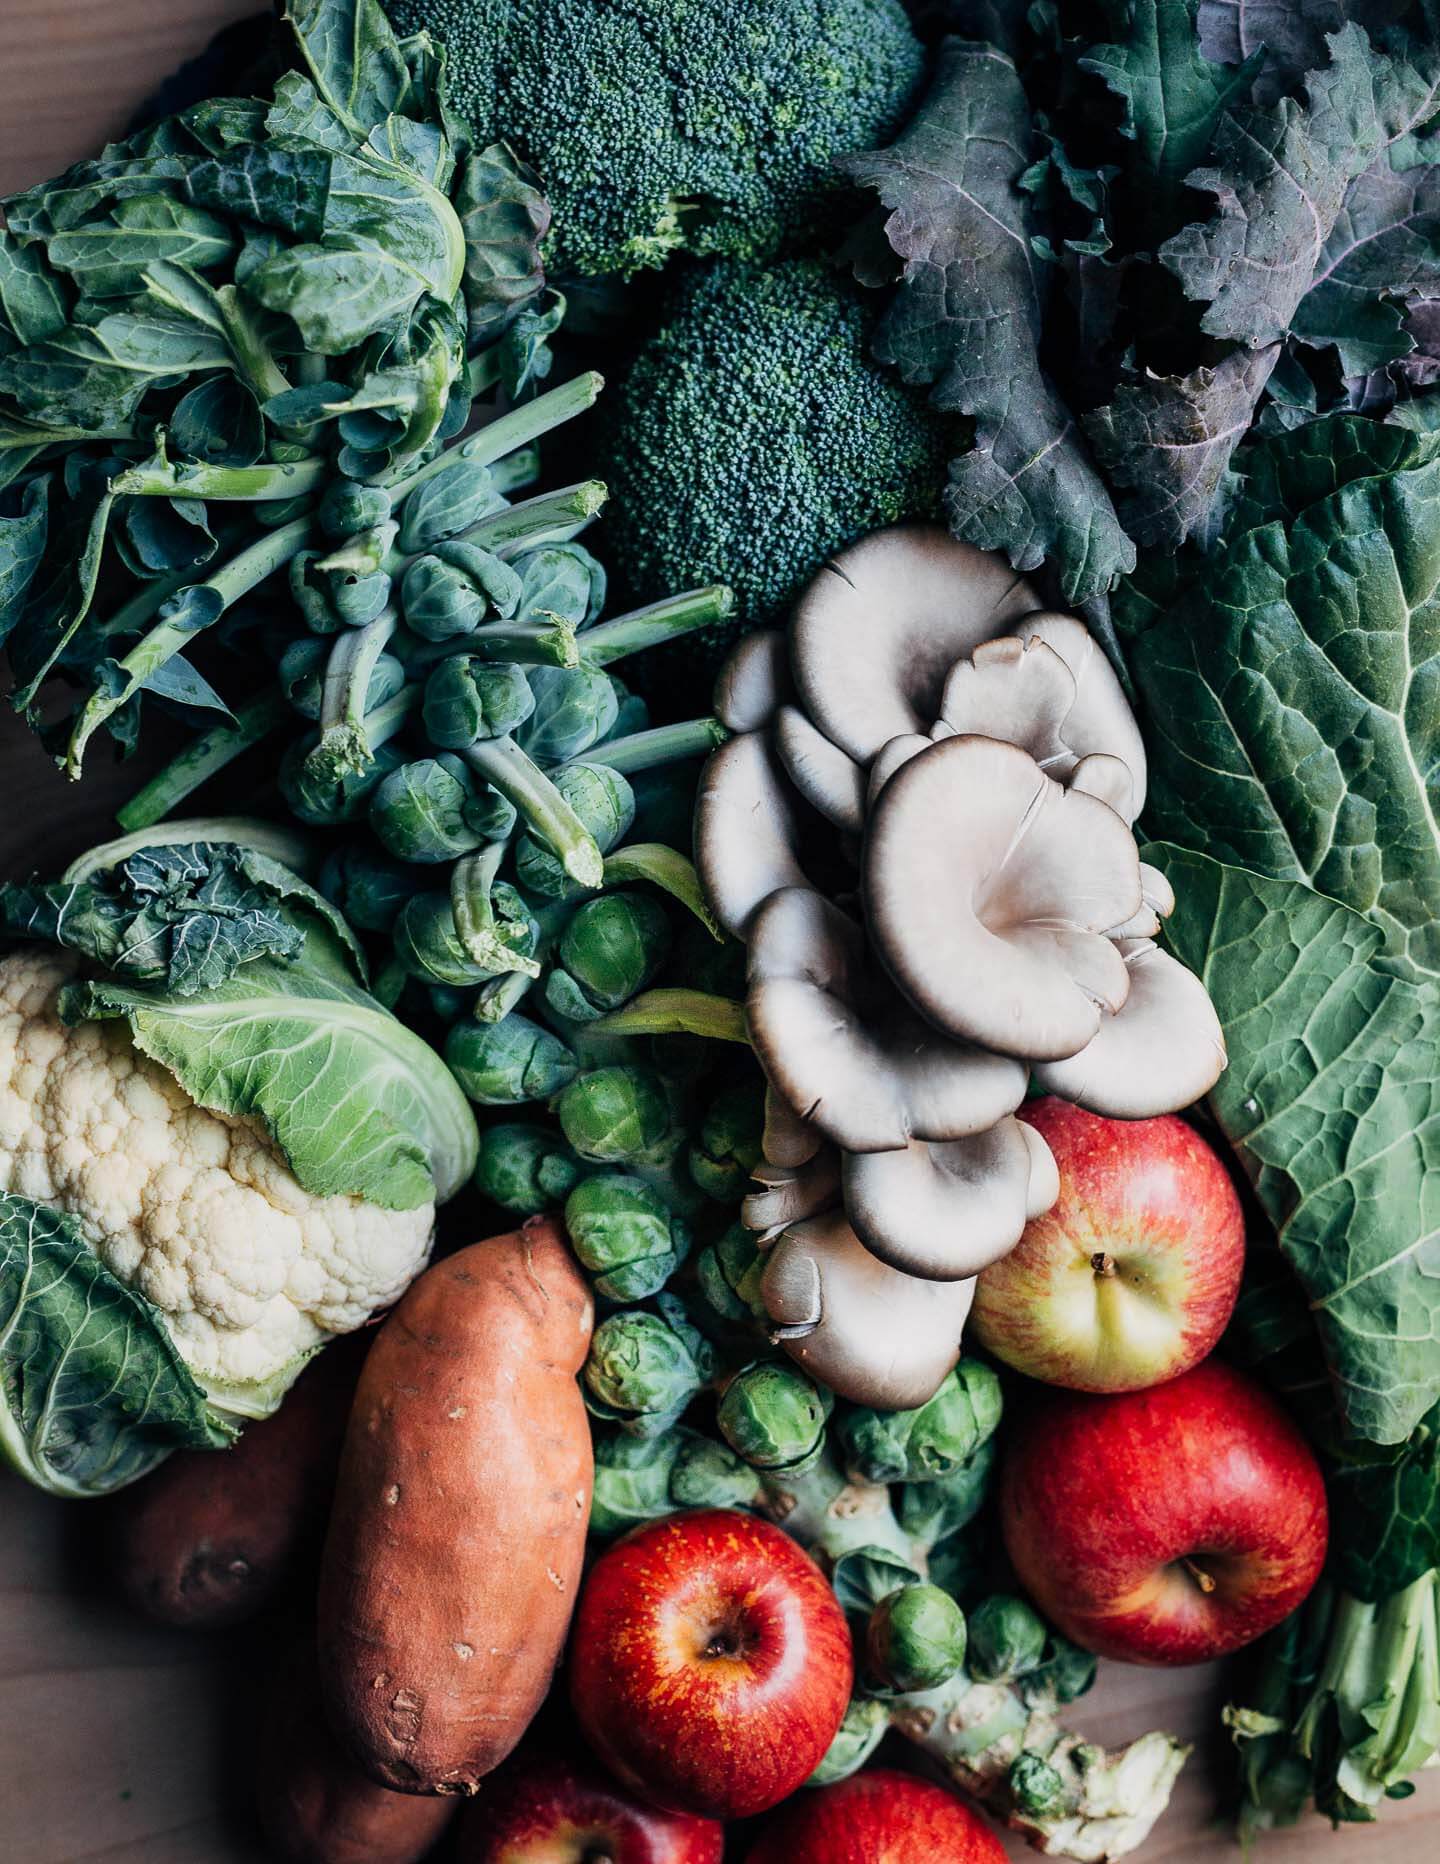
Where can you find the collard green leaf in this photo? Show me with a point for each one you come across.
(119, 173)
(353, 56)
(1332, 1102)
(22, 544)
(1385, 1516)
(62, 591)
(1280, 178)
(300, 116)
(107, 257)
(1291, 702)
(267, 185)
(967, 318)
(97, 375)
(32, 302)
(94, 1392)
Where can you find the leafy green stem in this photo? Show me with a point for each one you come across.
(665, 744)
(661, 621)
(520, 427)
(201, 759)
(547, 814)
(189, 479)
(344, 747)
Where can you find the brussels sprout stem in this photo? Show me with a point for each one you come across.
(524, 643)
(343, 745)
(502, 763)
(520, 427)
(548, 518)
(233, 484)
(660, 622)
(471, 879)
(201, 759)
(677, 1012)
(666, 744)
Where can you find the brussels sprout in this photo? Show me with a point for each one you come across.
(501, 1064)
(729, 1273)
(604, 802)
(456, 589)
(347, 508)
(1007, 1639)
(934, 1440)
(707, 1474)
(428, 811)
(429, 945)
(772, 1415)
(632, 1480)
(632, 715)
(448, 1002)
(862, 1728)
(611, 948)
(729, 1144)
(623, 1233)
(933, 1511)
(466, 699)
(357, 600)
(388, 984)
(302, 673)
(562, 581)
(619, 1116)
(321, 798)
(1036, 1789)
(1063, 1674)
(526, 1168)
(915, 1639)
(311, 597)
(368, 889)
(575, 707)
(645, 1368)
(447, 504)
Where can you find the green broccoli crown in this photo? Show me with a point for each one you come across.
(754, 436)
(666, 125)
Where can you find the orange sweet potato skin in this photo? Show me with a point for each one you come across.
(455, 1546)
(315, 1804)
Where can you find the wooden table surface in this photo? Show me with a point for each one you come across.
(126, 1744)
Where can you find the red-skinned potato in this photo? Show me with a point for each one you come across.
(458, 1533)
(213, 1535)
(877, 1817)
(315, 1804)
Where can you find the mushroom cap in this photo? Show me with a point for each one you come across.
(988, 890)
(747, 830)
(792, 1193)
(1108, 780)
(871, 1081)
(754, 682)
(1100, 719)
(829, 781)
(1016, 689)
(1157, 903)
(788, 1140)
(1044, 1173)
(872, 1334)
(877, 631)
(892, 756)
(945, 1211)
(1160, 1052)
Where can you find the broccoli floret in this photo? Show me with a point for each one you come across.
(753, 436)
(666, 125)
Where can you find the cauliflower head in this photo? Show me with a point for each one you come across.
(196, 1211)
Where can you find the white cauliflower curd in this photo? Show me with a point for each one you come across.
(196, 1211)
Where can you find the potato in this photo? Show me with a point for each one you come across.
(315, 1804)
(213, 1535)
(455, 1546)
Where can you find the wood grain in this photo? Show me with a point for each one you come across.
(125, 1744)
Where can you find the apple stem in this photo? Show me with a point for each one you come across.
(1103, 1264)
(1205, 1581)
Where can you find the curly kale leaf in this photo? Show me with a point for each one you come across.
(967, 315)
(1285, 37)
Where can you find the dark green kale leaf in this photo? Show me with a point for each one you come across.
(1386, 1515)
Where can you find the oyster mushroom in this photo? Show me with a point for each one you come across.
(754, 682)
(988, 891)
(892, 756)
(871, 1075)
(1100, 719)
(1161, 1051)
(1018, 690)
(876, 633)
(871, 1333)
(791, 1193)
(945, 1212)
(747, 830)
(787, 1139)
(830, 782)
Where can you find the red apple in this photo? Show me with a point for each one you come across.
(878, 1817)
(710, 1663)
(1132, 1275)
(1164, 1526)
(545, 1810)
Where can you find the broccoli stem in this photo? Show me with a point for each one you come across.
(665, 744)
(660, 622)
(234, 484)
(677, 1012)
(520, 427)
(201, 759)
(502, 763)
(666, 868)
(240, 575)
(343, 745)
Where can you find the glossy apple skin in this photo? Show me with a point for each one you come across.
(1133, 1275)
(1166, 1526)
(542, 1809)
(878, 1817)
(710, 1663)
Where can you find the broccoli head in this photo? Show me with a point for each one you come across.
(753, 436)
(677, 125)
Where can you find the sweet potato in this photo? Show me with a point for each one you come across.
(213, 1535)
(455, 1546)
(315, 1804)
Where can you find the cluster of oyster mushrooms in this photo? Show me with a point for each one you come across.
(922, 831)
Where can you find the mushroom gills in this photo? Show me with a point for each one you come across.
(874, 1335)
(1100, 718)
(947, 1211)
(790, 1194)
(1019, 690)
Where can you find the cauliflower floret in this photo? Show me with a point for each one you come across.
(197, 1211)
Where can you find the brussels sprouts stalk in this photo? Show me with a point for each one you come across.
(659, 622)
(471, 880)
(503, 765)
(518, 428)
(677, 1012)
(164, 478)
(666, 744)
(202, 759)
(343, 746)
(548, 518)
(198, 606)
(496, 999)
